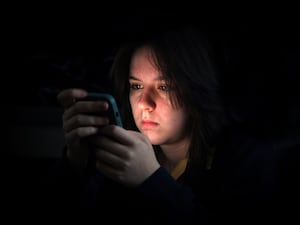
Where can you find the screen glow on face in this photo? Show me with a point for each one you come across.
(153, 112)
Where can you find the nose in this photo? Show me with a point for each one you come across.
(147, 101)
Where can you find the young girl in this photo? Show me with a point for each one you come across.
(158, 167)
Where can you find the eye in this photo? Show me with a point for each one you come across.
(136, 86)
(164, 87)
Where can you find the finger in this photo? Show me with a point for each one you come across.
(118, 134)
(110, 145)
(84, 121)
(86, 107)
(68, 97)
(81, 132)
(110, 172)
(110, 159)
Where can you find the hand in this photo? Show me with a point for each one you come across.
(78, 125)
(125, 156)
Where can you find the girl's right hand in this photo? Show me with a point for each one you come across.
(78, 124)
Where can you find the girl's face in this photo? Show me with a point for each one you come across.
(152, 110)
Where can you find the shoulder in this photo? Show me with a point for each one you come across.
(241, 145)
(246, 158)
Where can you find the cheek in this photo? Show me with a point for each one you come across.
(133, 107)
(181, 120)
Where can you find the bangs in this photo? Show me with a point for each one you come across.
(168, 71)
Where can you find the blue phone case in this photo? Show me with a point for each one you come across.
(113, 110)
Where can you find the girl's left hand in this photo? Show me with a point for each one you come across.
(125, 156)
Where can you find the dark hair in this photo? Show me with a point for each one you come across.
(183, 56)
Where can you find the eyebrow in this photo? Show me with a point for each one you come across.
(134, 78)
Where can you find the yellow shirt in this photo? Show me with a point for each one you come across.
(179, 169)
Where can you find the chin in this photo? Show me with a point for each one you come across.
(155, 140)
(153, 136)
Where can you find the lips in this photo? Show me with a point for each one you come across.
(149, 124)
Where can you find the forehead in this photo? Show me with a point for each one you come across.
(143, 56)
(143, 63)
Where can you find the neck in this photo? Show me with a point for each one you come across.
(174, 153)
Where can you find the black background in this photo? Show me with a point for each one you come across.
(258, 54)
(54, 46)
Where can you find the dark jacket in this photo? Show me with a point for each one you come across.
(239, 188)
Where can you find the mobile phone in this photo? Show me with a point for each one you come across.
(112, 113)
(113, 110)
